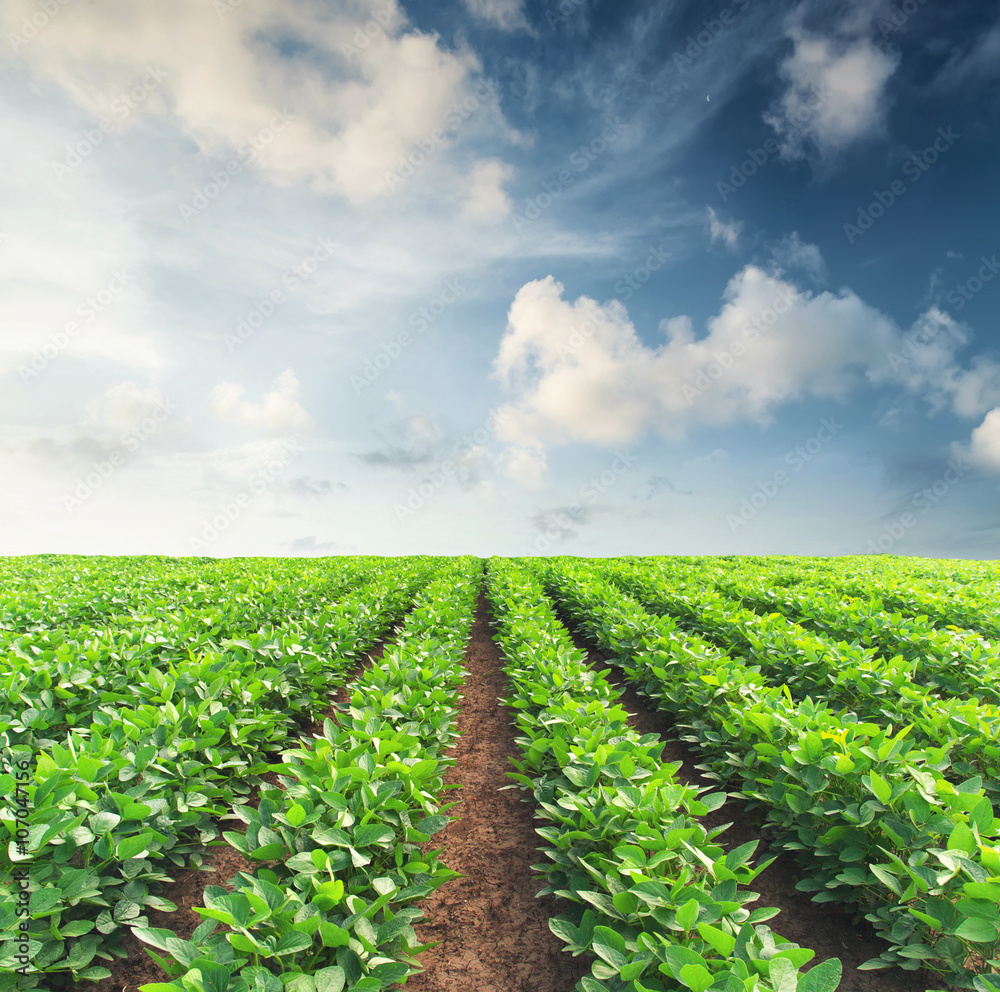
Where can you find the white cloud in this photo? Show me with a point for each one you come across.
(280, 411)
(526, 464)
(719, 230)
(123, 406)
(984, 451)
(361, 99)
(124, 418)
(581, 373)
(508, 15)
(836, 90)
(485, 198)
(924, 362)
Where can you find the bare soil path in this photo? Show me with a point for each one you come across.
(494, 932)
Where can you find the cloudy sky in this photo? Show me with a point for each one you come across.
(299, 277)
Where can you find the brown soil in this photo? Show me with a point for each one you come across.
(494, 932)
(127, 974)
(823, 927)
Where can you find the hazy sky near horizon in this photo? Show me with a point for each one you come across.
(291, 277)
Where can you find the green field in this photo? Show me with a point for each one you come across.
(160, 713)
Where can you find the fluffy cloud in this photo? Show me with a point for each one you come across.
(363, 88)
(123, 406)
(719, 230)
(836, 89)
(123, 419)
(582, 373)
(984, 452)
(280, 412)
(526, 464)
(508, 15)
(924, 361)
(485, 198)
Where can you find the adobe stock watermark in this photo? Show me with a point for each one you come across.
(922, 502)
(725, 359)
(293, 278)
(629, 285)
(485, 92)
(88, 312)
(562, 11)
(258, 482)
(204, 196)
(370, 30)
(797, 459)
(421, 318)
(897, 17)
(914, 167)
(580, 161)
(557, 524)
(770, 149)
(437, 478)
(696, 44)
(130, 442)
(965, 291)
(30, 27)
(122, 107)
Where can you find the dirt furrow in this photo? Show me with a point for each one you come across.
(824, 928)
(494, 932)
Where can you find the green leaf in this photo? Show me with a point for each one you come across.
(43, 901)
(609, 946)
(104, 821)
(330, 980)
(333, 936)
(295, 814)
(687, 915)
(962, 839)
(372, 833)
(881, 788)
(268, 852)
(825, 977)
(978, 931)
(299, 983)
(134, 847)
(782, 974)
(696, 977)
(887, 879)
(293, 942)
(722, 942)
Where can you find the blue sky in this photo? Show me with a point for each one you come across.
(499, 277)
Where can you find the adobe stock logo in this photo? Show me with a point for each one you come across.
(914, 169)
(796, 459)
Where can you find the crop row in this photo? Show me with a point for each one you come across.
(875, 820)
(960, 594)
(882, 690)
(956, 661)
(225, 599)
(153, 754)
(657, 901)
(335, 909)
